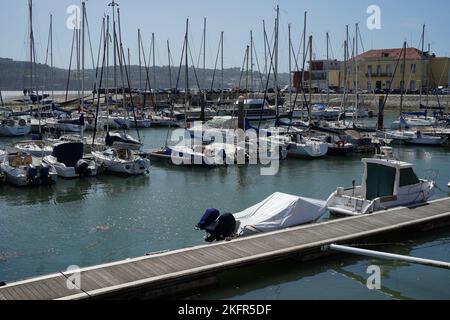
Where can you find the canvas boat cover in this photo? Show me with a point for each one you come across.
(279, 211)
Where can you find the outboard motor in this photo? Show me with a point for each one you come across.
(222, 228)
(32, 174)
(44, 174)
(210, 216)
(82, 168)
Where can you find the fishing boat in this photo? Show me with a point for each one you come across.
(12, 127)
(277, 212)
(68, 161)
(23, 170)
(122, 161)
(387, 183)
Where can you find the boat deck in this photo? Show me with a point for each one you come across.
(166, 273)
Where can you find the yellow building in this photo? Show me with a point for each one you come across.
(383, 69)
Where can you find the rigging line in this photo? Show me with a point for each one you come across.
(361, 40)
(257, 63)
(193, 67)
(181, 65)
(147, 74)
(392, 79)
(89, 39)
(102, 39)
(215, 65)
(242, 69)
(70, 65)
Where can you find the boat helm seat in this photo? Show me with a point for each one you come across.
(28, 160)
(16, 161)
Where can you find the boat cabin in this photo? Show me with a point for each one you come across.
(383, 178)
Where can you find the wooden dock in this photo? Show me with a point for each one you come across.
(167, 273)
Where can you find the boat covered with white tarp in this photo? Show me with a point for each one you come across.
(277, 212)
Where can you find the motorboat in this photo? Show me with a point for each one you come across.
(257, 109)
(68, 161)
(122, 161)
(387, 183)
(23, 170)
(355, 113)
(39, 149)
(277, 212)
(12, 127)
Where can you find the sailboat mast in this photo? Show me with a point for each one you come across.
(357, 73)
(83, 19)
(328, 69)
(186, 42)
(402, 86)
(140, 59)
(170, 65)
(251, 61)
(204, 54)
(290, 64)
(107, 38)
(30, 6)
(276, 59)
(304, 44)
(154, 61)
(310, 79)
(422, 64)
(265, 47)
(221, 80)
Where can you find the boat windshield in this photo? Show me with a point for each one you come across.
(408, 177)
(380, 181)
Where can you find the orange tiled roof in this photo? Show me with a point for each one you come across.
(411, 54)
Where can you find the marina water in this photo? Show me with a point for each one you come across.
(92, 221)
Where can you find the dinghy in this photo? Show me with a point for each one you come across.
(67, 159)
(387, 183)
(277, 212)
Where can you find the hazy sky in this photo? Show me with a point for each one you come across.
(400, 20)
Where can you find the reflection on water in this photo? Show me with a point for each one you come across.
(339, 277)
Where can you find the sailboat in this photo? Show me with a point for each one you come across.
(387, 183)
(278, 211)
(38, 149)
(14, 127)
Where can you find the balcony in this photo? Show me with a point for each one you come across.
(379, 75)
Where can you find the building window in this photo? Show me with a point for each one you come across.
(378, 70)
(402, 85)
(388, 84)
(412, 85)
(369, 70)
(388, 70)
(369, 85)
(413, 68)
(402, 68)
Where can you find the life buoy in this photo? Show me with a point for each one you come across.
(340, 144)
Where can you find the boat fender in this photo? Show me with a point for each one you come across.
(340, 144)
(209, 217)
(82, 168)
(22, 123)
